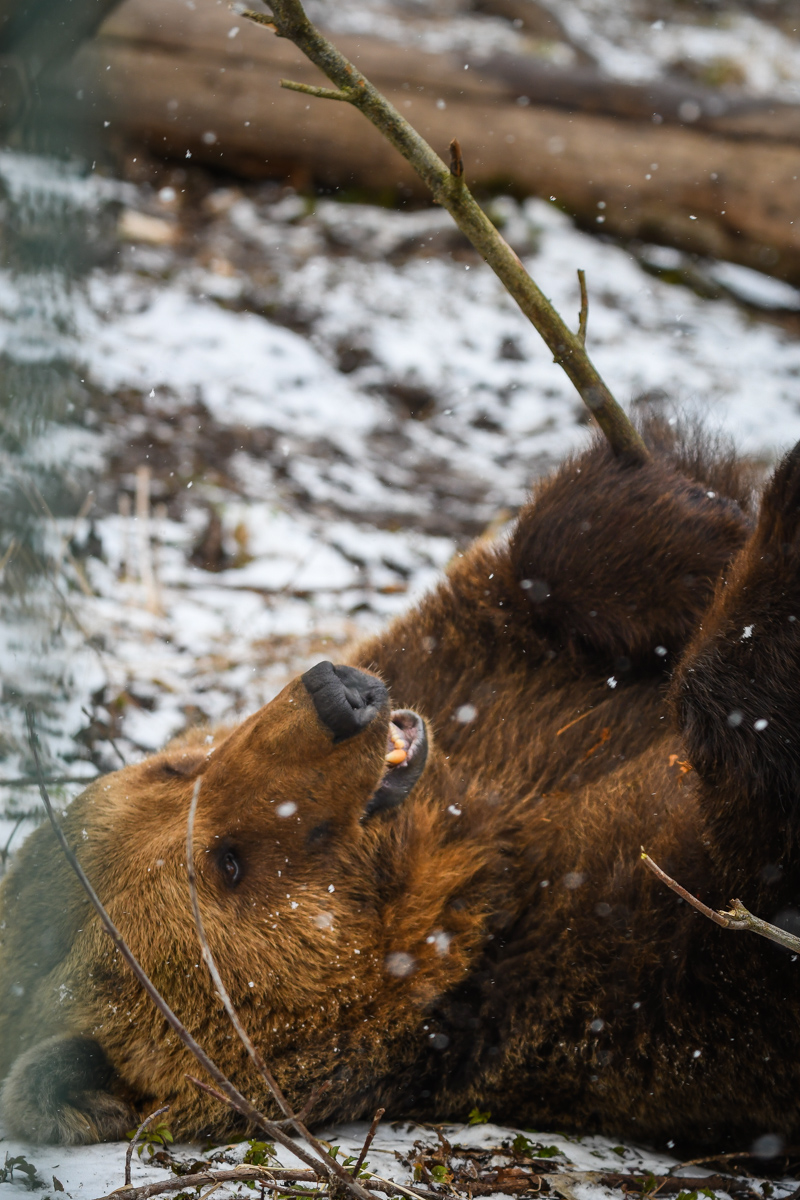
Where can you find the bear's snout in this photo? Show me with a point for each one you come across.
(346, 700)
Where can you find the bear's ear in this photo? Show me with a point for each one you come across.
(179, 762)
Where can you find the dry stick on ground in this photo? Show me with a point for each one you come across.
(332, 1167)
(134, 1140)
(280, 1179)
(277, 1179)
(737, 917)
(232, 1095)
(450, 191)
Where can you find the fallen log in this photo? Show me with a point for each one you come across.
(202, 82)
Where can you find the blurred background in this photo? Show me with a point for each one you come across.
(255, 390)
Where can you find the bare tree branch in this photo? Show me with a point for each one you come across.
(737, 917)
(289, 20)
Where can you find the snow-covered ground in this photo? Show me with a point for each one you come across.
(580, 1163)
(285, 417)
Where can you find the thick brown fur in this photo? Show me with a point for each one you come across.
(494, 940)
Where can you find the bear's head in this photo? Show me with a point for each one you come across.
(339, 877)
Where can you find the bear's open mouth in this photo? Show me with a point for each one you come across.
(406, 753)
(406, 736)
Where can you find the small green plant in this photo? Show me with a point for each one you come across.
(30, 1176)
(363, 1171)
(440, 1173)
(476, 1117)
(524, 1148)
(258, 1153)
(159, 1137)
(696, 1194)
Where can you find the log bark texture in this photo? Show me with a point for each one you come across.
(721, 180)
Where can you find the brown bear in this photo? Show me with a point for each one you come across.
(420, 871)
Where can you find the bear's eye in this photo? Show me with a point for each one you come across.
(231, 867)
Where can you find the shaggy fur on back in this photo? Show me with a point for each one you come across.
(594, 682)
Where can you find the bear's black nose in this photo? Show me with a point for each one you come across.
(346, 699)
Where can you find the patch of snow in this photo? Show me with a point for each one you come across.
(756, 288)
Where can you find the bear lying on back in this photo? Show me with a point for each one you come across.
(420, 872)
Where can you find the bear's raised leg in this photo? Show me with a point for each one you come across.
(621, 561)
(57, 1092)
(736, 695)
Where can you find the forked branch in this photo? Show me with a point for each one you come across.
(449, 189)
(737, 917)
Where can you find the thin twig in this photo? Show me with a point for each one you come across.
(332, 1167)
(668, 1185)
(262, 19)
(737, 917)
(376, 1120)
(719, 918)
(214, 1187)
(456, 159)
(377, 1180)
(233, 1097)
(696, 1162)
(304, 1111)
(52, 780)
(310, 1102)
(323, 93)
(583, 316)
(7, 848)
(134, 1140)
(289, 20)
(108, 738)
(206, 1087)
